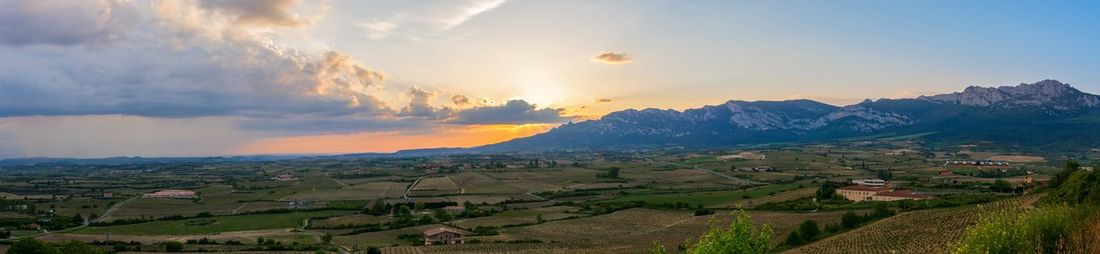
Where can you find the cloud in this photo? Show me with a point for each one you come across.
(460, 100)
(421, 19)
(181, 60)
(420, 105)
(63, 23)
(467, 11)
(611, 58)
(603, 100)
(512, 112)
(257, 12)
(378, 29)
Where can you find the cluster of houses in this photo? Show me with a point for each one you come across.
(991, 164)
(877, 190)
(171, 194)
(756, 169)
(284, 177)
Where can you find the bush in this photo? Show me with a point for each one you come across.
(173, 247)
(32, 246)
(1044, 230)
(741, 236)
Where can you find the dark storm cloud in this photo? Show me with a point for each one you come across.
(513, 112)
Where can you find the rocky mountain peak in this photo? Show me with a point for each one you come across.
(1034, 94)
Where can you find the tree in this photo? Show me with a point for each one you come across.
(793, 239)
(741, 236)
(826, 191)
(441, 215)
(403, 211)
(32, 246)
(78, 247)
(379, 207)
(1000, 185)
(326, 238)
(809, 230)
(173, 246)
(885, 174)
(850, 220)
(374, 250)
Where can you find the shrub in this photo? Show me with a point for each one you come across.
(741, 236)
(1041, 230)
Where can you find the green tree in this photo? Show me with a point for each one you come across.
(403, 211)
(1000, 185)
(173, 246)
(32, 246)
(850, 220)
(809, 230)
(78, 247)
(885, 174)
(793, 239)
(741, 236)
(441, 215)
(326, 238)
(826, 191)
(378, 207)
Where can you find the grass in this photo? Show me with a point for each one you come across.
(213, 224)
(708, 198)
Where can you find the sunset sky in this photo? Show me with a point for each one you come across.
(225, 77)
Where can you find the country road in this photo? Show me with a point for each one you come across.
(410, 189)
(85, 224)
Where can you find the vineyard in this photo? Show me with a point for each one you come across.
(925, 231)
(537, 248)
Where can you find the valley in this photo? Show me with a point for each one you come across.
(551, 202)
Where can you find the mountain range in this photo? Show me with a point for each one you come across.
(1043, 115)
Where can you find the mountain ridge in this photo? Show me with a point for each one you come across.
(1024, 110)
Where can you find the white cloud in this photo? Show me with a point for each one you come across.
(419, 18)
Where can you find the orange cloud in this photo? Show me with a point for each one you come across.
(449, 136)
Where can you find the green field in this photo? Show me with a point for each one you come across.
(708, 198)
(213, 224)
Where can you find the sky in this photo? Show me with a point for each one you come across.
(101, 78)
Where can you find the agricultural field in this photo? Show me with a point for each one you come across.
(927, 231)
(213, 225)
(580, 202)
(708, 198)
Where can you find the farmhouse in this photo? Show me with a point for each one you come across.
(868, 193)
(442, 235)
(171, 194)
(859, 192)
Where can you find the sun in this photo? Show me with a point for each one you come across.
(540, 88)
